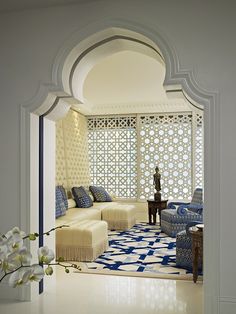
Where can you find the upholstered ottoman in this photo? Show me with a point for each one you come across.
(184, 258)
(83, 241)
(119, 217)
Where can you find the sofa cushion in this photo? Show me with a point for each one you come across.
(82, 199)
(71, 203)
(100, 194)
(75, 215)
(60, 204)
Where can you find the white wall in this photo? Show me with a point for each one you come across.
(203, 35)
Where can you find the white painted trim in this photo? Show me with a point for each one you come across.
(228, 299)
(174, 76)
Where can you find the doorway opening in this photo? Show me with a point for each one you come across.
(68, 97)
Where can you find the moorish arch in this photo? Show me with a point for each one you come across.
(77, 56)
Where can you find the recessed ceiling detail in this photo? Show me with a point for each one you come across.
(117, 71)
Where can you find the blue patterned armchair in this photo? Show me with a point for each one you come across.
(175, 218)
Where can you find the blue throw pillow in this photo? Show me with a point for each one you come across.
(60, 205)
(64, 196)
(100, 194)
(82, 199)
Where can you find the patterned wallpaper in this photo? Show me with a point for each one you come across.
(72, 163)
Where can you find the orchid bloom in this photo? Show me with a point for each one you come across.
(25, 275)
(14, 239)
(15, 258)
(45, 255)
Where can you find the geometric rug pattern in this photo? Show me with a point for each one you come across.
(142, 249)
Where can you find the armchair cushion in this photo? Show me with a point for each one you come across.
(172, 222)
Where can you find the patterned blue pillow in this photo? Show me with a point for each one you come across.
(64, 196)
(100, 194)
(82, 199)
(60, 205)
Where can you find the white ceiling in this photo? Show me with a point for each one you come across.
(129, 82)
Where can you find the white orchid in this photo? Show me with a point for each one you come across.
(45, 255)
(14, 241)
(15, 258)
(26, 275)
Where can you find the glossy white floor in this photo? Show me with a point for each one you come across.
(94, 294)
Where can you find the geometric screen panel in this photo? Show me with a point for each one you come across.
(112, 154)
(165, 141)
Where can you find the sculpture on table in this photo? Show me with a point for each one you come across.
(157, 184)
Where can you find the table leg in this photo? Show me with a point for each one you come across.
(154, 218)
(149, 216)
(195, 263)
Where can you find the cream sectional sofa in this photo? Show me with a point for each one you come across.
(75, 214)
(87, 237)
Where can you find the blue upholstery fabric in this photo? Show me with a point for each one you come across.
(65, 200)
(60, 205)
(182, 210)
(195, 204)
(172, 223)
(82, 199)
(184, 249)
(100, 194)
(175, 220)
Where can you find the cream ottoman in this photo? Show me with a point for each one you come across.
(83, 241)
(119, 217)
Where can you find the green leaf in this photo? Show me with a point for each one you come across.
(60, 259)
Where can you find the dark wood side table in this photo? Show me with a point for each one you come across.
(197, 250)
(153, 207)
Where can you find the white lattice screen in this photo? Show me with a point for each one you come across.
(165, 140)
(124, 151)
(112, 154)
(72, 162)
(199, 162)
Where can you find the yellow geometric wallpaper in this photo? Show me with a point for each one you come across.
(72, 163)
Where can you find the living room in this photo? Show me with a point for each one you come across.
(120, 142)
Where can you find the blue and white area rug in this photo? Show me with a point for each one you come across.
(140, 251)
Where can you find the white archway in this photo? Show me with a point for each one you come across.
(175, 79)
